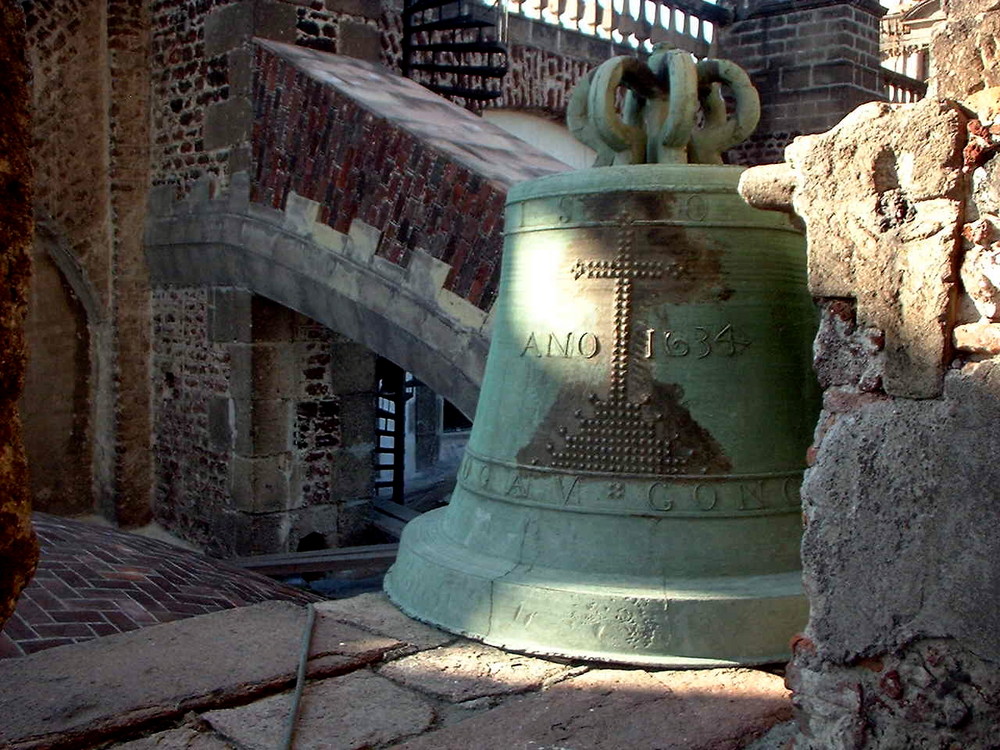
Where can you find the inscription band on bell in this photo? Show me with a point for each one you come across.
(680, 496)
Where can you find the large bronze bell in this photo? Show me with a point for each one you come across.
(630, 491)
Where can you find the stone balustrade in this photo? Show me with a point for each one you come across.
(901, 89)
(637, 23)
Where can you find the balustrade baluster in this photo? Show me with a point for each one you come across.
(643, 24)
(574, 14)
(606, 10)
(587, 17)
(660, 24)
(623, 21)
(553, 11)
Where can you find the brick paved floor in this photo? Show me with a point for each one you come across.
(94, 581)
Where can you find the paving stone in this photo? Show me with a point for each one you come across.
(334, 636)
(177, 739)
(721, 709)
(471, 670)
(358, 710)
(91, 690)
(376, 613)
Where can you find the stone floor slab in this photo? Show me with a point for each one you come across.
(359, 710)
(94, 689)
(177, 739)
(469, 670)
(376, 613)
(722, 709)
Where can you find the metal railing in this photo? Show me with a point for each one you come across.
(637, 23)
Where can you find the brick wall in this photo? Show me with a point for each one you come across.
(312, 140)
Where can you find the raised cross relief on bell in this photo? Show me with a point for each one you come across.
(630, 491)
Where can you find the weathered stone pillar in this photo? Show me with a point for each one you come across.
(304, 423)
(900, 549)
(812, 61)
(18, 547)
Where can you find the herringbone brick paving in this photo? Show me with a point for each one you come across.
(94, 581)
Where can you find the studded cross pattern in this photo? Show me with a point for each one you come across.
(621, 435)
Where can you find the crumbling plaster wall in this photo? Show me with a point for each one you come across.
(901, 540)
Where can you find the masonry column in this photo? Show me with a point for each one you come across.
(812, 61)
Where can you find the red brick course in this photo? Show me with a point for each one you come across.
(310, 139)
(94, 581)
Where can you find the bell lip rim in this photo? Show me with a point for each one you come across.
(630, 178)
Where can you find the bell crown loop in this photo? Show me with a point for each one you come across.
(658, 121)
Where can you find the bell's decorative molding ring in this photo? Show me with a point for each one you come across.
(672, 109)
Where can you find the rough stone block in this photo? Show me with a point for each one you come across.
(275, 20)
(240, 71)
(965, 56)
(359, 40)
(228, 27)
(351, 473)
(229, 315)
(275, 371)
(352, 368)
(260, 534)
(227, 123)
(263, 426)
(357, 415)
(261, 484)
(241, 371)
(896, 260)
(221, 420)
(923, 502)
(272, 322)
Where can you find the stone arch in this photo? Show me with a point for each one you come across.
(66, 335)
(402, 314)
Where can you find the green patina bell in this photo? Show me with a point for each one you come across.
(630, 491)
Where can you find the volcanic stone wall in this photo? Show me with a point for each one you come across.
(90, 81)
(201, 63)
(264, 423)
